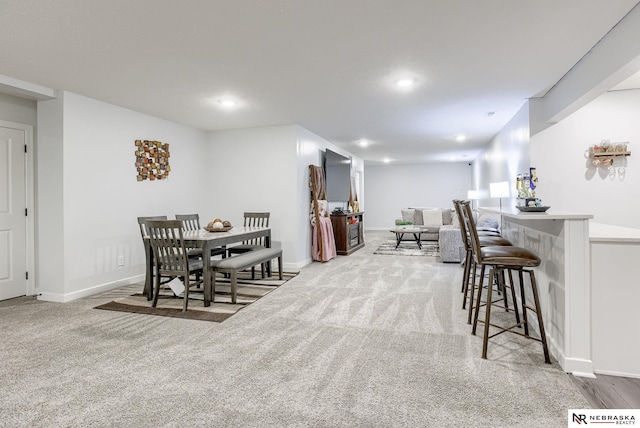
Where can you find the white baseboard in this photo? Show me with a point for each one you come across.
(293, 267)
(619, 374)
(63, 298)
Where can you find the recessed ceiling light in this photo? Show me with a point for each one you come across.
(386, 160)
(405, 82)
(460, 138)
(363, 143)
(227, 102)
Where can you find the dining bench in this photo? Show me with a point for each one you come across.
(232, 265)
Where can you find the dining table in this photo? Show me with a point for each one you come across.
(207, 241)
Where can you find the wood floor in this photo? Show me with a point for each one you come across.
(610, 392)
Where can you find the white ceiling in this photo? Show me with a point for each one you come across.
(328, 66)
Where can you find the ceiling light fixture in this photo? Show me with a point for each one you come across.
(405, 82)
(363, 143)
(227, 102)
(460, 138)
(386, 160)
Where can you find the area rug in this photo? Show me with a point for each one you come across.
(409, 248)
(248, 291)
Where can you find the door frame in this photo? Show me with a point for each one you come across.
(29, 173)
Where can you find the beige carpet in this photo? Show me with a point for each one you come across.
(359, 341)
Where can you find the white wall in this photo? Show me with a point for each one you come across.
(86, 168)
(49, 242)
(254, 170)
(267, 169)
(505, 158)
(88, 196)
(310, 148)
(569, 182)
(19, 110)
(389, 188)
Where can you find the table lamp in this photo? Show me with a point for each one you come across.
(499, 190)
(474, 195)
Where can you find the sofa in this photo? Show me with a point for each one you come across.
(451, 245)
(432, 218)
(450, 237)
(444, 227)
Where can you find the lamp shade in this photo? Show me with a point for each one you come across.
(473, 194)
(499, 189)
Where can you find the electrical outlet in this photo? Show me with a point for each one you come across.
(120, 260)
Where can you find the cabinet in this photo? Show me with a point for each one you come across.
(348, 232)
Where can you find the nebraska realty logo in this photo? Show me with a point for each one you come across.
(581, 417)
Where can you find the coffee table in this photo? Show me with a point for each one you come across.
(416, 231)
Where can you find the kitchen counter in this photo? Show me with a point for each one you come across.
(561, 240)
(588, 285)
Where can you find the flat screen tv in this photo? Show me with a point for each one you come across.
(337, 170)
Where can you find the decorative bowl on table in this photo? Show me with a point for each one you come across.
(218, 225)
(224, 229)
(532, 209)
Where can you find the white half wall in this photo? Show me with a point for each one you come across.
(569, 182)
(389, 188)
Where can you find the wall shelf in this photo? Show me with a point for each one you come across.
(609, 154)
(612, 156)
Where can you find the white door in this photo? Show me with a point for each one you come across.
(13, 220)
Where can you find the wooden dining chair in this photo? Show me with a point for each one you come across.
(253, 219)
(171, 255)
(192, 222)
(148, 254)
(189, 221)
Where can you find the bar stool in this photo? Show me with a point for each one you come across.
(486, 239)
(500, 258)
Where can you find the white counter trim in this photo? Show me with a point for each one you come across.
(549, 215)
(599, 232)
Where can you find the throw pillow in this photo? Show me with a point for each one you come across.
(487, 221)
(417, 219)
(455, 221)
(432, 217)
(408, 214)
(446, 216)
